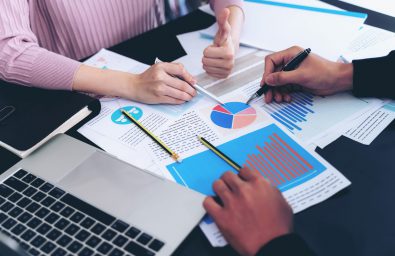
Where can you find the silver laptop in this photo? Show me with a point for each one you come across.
(69, 198)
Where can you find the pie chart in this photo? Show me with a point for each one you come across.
(233, 115)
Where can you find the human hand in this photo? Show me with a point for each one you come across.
(161, 83)
(252, 211)
(315, 74)
(218, 58)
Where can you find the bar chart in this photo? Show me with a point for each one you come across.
(294, 113)
(268, 150)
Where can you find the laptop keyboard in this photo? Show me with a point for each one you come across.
(45, 220)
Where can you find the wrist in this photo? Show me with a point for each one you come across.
(344, 76)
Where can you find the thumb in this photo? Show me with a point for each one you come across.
(282, 78)
(223, 27)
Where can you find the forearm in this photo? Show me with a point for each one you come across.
(103, 82)
(236, 20)
(290, 244)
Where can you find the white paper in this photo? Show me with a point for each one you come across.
(371, 127)
(267, 28)
(369, 42)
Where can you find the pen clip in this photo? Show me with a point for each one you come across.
(6, 112)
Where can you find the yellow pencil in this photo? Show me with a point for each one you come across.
(173, 155)
(219, 153)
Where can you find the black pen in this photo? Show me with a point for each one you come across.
(291, 65)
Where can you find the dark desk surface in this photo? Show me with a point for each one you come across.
(357, 221)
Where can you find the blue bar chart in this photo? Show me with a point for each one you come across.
(292, 114)
(268, 150)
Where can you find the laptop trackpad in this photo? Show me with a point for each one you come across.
(111, 185)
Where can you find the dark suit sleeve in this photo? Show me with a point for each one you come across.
(375, 77)
(286, 245)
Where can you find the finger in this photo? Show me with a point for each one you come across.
(215, 52)
(223, 27)
(177, 69)
(284, 78)
(214, 70)
(278, 97)
(248, 174)
(211, 206)
(175, 93)
(232, 181)
(222, 190)
(170, 100)
(217, 63)
(269, 96)
(180, 85)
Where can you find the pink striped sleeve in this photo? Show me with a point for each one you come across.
(22, 61)
(218, 5)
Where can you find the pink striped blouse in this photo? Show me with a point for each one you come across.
(41, 40)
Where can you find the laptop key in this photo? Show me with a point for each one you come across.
(15, 184)
(38, 196)
(62, 223)
(33, 223)
(57, 192)
(104, 247)
(18, 229)
(93, 241)
(33, 207)
(8, 224)
(116, 252)
(48, 247)
(5, 191)
(38, 241)
(120, 240)
(42, 212)
(87, 222)
(15, 197)
(52, 217)
(109, 234)
(85, 252)
(3, 217)
(37, 182)
(30, 191)
(24, 202)
(138, 250)
(77, 217)
(82, 235)
(24, 246)
(144, 239)
(34, 252)
(133, 232)
(15, 212)
(120, 226)
(29, 178)
(48, 201)
(56, 207)
(98, 228)
(59, 252)
(156, 245)
(66, 212)
(72, 229)
(28, 235)
(46, 187)
(64, 240)
(43, 229)
(6, 207)
(74, 247)
(25, 217)
(53, 234)
(2, 200)
(19, 174)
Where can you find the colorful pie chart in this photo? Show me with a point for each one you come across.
(233, 115)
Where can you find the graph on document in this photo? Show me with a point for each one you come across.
(268, 150)
(291, 115)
